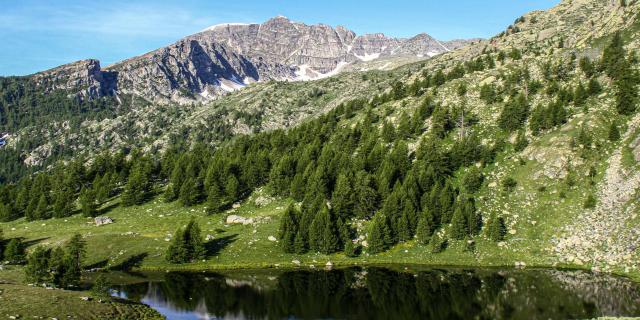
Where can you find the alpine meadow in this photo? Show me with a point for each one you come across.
(281, 170)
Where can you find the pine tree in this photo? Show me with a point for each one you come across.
(580, 95)
(300, 245)
(426, 226)
(614, 133)
(590, 202)
(14, 252)
(188, 193)
(613, 57)
(63, 204)
(177, 250)
(41, 211)
(521, 141)
(497, 229)
(627, 92)
(87, 201)
(100, 288)
(288, 229)
(7, 213)
(458, 224)
(215, 199)
(195, 246)
(76, 249)
(403, 229)
(594, 87)
(323, 235)
(342, 200)
(473, 179)
(514, 113)
(37, 269)
(380, 237)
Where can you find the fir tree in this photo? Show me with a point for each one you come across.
(342, 200)
(189, 193)
(14, 252)
(458, 224)
(41, 211)
(37, 269)
(473, 179)
(63, 204)
(76, 249)
(627, 92)
(614, 133)
(497, 229)
(425, 228)
(590, 202)
(100, 288)
(613, 58)
(594, 87)
(87, 201)
(177, 250)
(379, 234)
(521, 141)
(288, 229)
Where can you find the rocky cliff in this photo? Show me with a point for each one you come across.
(227, 57)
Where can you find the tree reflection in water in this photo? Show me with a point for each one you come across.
(379, 293)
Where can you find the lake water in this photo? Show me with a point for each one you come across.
(383, 293)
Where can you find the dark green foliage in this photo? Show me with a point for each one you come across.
(497, 229)
(61, 266)
(587, 67)
(613, 58)
(342, 201)
(37, 269)
(380, 237)
(289, 227)
(426, 227)
(580, 95)
(509, 184)
(473, 179)
(138, 187)
(521, 141)
(100, 288)
(613, 133)
(187, 245)
(514, 113)
(458, 225)
(323, 233)
(189, 192)
(594, 87)
(626, 91)
(14, 252)
(590, 202)
(488, 93)
(88, 204)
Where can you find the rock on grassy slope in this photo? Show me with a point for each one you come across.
(607, 236)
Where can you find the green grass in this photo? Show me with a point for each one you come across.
(23, 302)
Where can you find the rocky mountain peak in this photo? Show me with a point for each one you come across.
(226, 57)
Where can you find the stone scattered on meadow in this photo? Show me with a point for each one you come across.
(99, 221)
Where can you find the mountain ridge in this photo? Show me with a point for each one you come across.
(229, 56)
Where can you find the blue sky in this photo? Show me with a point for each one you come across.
(41, 34)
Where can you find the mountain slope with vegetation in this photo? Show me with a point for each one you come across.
(519, 150)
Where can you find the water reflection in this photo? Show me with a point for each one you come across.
(379, 293)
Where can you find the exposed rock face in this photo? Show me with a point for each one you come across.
(83, 77)
(227, 57)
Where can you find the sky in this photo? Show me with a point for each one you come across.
(40, 34)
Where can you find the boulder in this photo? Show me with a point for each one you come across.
(272, 238)
(99, 221)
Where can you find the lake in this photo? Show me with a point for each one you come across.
(384, 293)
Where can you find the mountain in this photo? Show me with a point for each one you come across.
(519, 150)
(227, 57)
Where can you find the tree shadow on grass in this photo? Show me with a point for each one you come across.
(128, 264)
(107, 209)
(213, 247)
(33, 242)
(98, 265)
